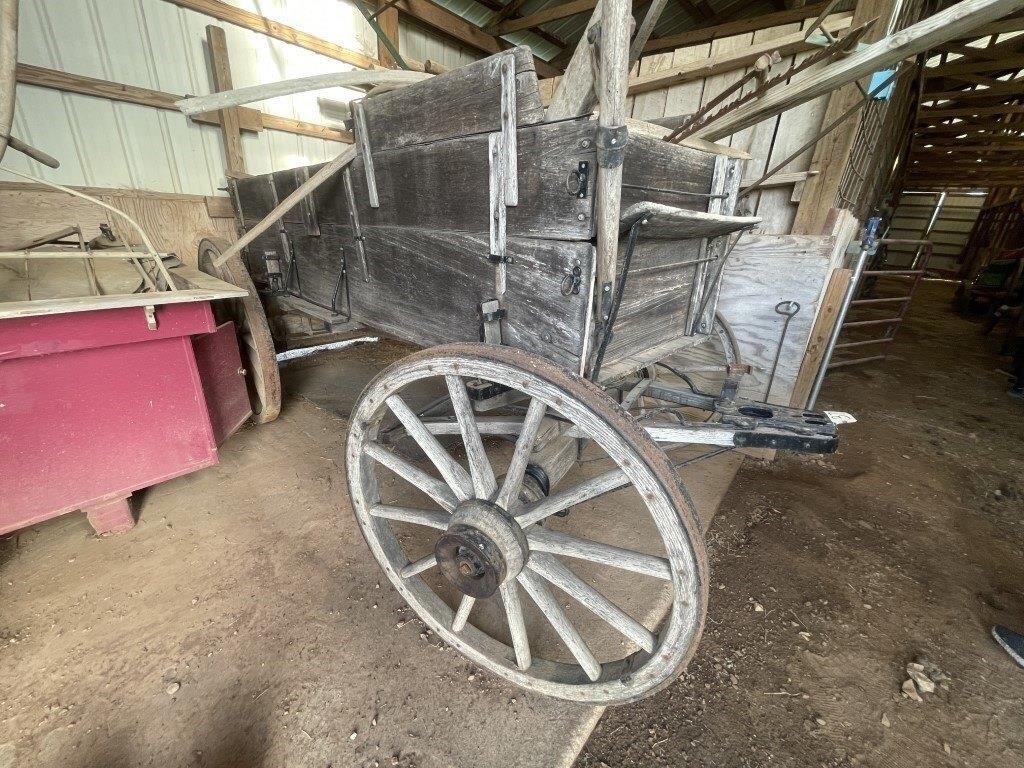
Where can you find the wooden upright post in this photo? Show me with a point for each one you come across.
(229, 119)
(613, 49)
(388, 21)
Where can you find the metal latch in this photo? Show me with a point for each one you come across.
(578, 180)
(150, 311)
(571, 282)
(496, 259)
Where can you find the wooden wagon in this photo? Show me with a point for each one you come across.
(546, 265)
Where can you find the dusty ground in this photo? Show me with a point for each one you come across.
(241, 624)
(909, 542)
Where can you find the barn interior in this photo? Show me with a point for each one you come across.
(765, 258)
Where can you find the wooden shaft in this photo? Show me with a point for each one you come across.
(306, 188)
(945, 25)
(27, 149)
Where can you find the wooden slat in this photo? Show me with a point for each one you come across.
(275, 29)
(248, 119)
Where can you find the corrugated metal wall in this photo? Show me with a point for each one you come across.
(948, 233)
(154, 44)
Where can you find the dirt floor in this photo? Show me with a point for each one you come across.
(242, 623)
(831, 575)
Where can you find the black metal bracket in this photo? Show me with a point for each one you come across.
(611, 145)
(578, 180)
(759, 425)
(496, 259)
(490, 317)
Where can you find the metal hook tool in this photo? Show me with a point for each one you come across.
(787, 309)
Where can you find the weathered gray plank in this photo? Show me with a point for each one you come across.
(444, 185)
(463, 101)
(652, 164)
(426, 286)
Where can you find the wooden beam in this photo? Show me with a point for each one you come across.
(700, 69)
(275, 29)
(935, 113)
(491, 26)
(454, 26)
(919, 37)
(388, 21)
(730, 28)
(553, 13)
(1011, 88)
(971, 67)
(941, 150)
(229, 124)
(248, 119)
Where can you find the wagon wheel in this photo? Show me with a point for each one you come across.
(490, 541)
(264, 380)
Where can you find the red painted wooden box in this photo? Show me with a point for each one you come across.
(96, 405)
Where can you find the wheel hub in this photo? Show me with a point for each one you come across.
(482, 548)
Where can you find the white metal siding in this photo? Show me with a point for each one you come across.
(948, 234)
(154, 44)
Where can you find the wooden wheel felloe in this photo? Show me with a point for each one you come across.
(264, 379)
(491, 543)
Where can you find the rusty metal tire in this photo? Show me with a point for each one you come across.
(262, 376)
(653, 660)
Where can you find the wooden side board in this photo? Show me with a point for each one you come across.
(426, 286)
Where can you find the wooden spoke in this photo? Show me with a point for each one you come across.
(557, 543)
(480, 469)
(427, 517)
(516, 624)
(431, 486)
(509, 492)
(551, 569)
(556, 616)
(462, 615)
(421, 565)
(588, 489)
(450, 470)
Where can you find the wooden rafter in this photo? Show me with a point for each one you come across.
(498, 8)
(727, 28)
(256, 23)
(453, 26)
(554, 13)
